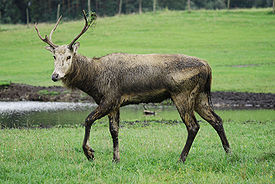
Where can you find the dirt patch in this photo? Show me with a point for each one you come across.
(22, 92)
(243, 100)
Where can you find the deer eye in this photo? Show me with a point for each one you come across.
(69, 57)
(54, 57)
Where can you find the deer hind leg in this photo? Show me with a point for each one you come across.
(204, 109)
(114, 128)
(185, 107)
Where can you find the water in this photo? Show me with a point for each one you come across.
(42, 114)
(49, 114)
(19, 107)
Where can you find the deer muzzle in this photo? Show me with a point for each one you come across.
(55, 77)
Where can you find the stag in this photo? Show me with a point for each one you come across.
(120, 79)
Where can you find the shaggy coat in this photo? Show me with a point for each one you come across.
(120, 79)
(138, 78)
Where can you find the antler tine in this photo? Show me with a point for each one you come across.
(46, 40)
(50, 37)
(85, 28)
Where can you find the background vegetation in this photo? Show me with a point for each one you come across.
(238, 44)
(14, 11)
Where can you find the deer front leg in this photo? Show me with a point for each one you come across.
(88, 151)
(103, 109)
(114, 128)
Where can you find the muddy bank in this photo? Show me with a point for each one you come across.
(22, 92)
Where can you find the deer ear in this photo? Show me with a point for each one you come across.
(75, 46)
(49, 48)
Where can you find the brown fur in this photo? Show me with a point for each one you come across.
(136, 78)
(120, 79)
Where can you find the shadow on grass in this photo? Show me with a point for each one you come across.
(233, 158)
(266, 157)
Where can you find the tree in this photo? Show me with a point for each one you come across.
(119, 7)
(10, 13)
(154, 5)
(140, 6)
(89, 7)
(189, 7)
(14, 11)
(273, 6)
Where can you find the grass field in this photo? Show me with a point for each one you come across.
(238, 44)
(240, 47)
(149, 153)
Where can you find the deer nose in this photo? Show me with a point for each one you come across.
(55, 77)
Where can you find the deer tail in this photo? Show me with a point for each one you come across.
(208, 87)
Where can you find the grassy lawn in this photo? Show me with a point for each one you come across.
(149, 153)
(240, 47)
(238, 44)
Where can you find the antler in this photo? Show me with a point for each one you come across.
(85, 28)
(46, 39)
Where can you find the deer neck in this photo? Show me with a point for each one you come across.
(80, 74)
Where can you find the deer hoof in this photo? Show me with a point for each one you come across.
(182, 160)
(116, 160)
(89, 153)
(227, 150)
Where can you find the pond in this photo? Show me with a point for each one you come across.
(49, 114)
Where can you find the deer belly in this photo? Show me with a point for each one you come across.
(154, 96)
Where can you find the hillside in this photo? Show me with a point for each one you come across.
(238, 44)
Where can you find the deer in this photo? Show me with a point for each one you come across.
(120, 79)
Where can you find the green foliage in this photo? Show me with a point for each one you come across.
(250, 3)
(238, 44)
(149, 154)
(8, 12)
(92, 19)
(14, 11)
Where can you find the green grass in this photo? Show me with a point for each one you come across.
(224, 38)
(46, 92)
(149, 153)
(5, 83)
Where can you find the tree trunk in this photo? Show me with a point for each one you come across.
(63, 5)
(228, 4)
(154, 5)
(119, 7)
(126, 7)
(69, 7)
(140, 6)
(96, 5)
(27, 16)
(49, 4)
(273, 6)
(58, 12)
(76, 6)
(189, 6)
(89, 8)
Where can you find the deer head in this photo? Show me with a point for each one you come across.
(63, 54)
